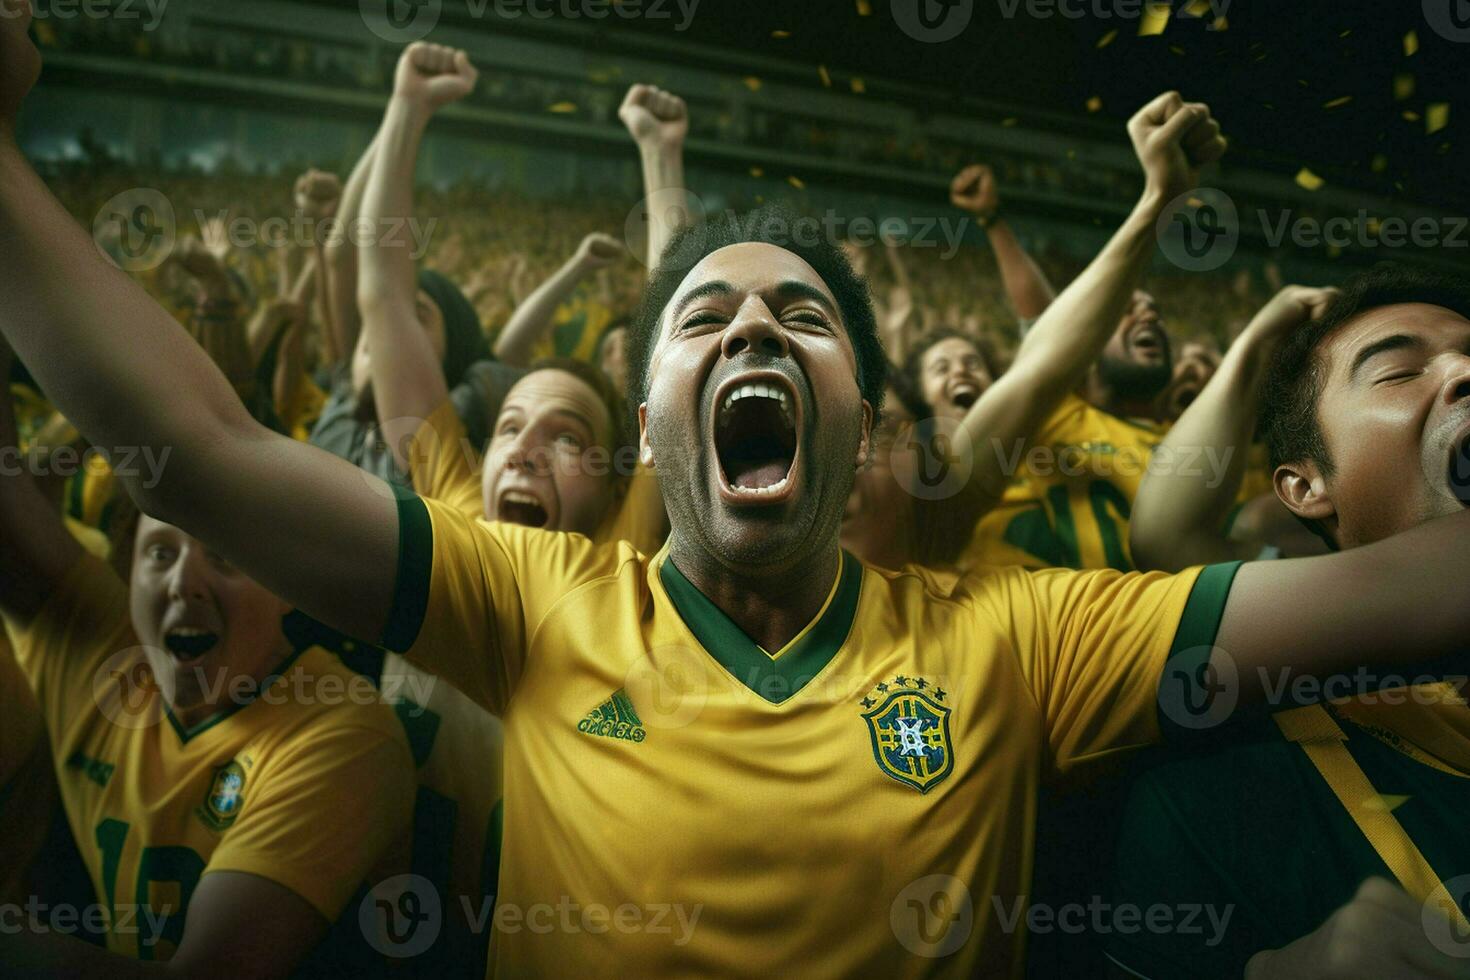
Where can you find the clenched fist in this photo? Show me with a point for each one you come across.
(1173, 140)
(973, 189)
(1290, 308)
(318, 193)
(20, 62)
(598, 251)
(433, 75)
(654, 117)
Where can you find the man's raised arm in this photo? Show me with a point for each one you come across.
(658, 121)
(307, 526)
(1179, 513)
(1172, 138)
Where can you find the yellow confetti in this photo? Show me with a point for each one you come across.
(1107, 39)
(1308, 180)
(1410, 115)
(1337, 102)
(1009, 121)
(1304, 83)
(1155, 19)
(826, 78)
(1196, 8)
(1411, 43)
(858, 86)
(1333, 251)
(1094, 104)
(752, 83)
(1220, 24)
(757, 171)
(1345, 33)
(796, 182)
(780, 34)
(1437, 116)
(1177, 50)
(865, 9)
(1380, 163)
(1403, 86)
(562, 107)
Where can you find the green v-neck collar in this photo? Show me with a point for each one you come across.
(794, 665)
(187, 733)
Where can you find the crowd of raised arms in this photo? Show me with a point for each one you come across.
(804, 611)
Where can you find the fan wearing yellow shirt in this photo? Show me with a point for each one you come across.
(749, 753)
(202, 760)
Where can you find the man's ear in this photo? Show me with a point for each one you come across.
(867, 436)
(645, 448)
(1303, 489)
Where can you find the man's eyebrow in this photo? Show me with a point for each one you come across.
(1399, 341)
(715, 287)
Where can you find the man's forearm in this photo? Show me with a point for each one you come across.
(1026, 285)
(1192, 482)
(532, 318)
(340, 269)
(105, 353)
(1057, 353)
(408, 382)
(663, 189)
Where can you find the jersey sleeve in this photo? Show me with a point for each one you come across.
(1094, 647)
(471, 593)
(84, 621)
(321, 817)
(442, 463)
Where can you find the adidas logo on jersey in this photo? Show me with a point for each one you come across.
(614, 718)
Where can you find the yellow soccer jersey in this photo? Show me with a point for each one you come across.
(1017, 531)
(308, 784)
(444, 467)
(1085, 467)
(681, 803)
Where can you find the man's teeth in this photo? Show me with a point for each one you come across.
(755, 390)
(188, 631)
(517, 497)
(762, 491)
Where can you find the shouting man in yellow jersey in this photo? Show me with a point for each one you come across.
(747, 753)
(203, 760)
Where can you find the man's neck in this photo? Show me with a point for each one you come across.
(770, 606)
(1100, 397)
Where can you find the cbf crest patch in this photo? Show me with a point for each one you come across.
(225, 797)
(908, 724)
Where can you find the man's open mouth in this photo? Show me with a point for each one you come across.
(519, 507)
(189, 643)
(1459, 471)
(756, 438)
(1149, 341)
(965, 395)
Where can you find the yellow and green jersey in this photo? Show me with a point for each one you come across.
(681, 802)
(1017, 531)
(443, 466)
(309, 783)
(1085, 467)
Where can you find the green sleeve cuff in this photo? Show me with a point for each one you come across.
(1191, 698)
(415, 563)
